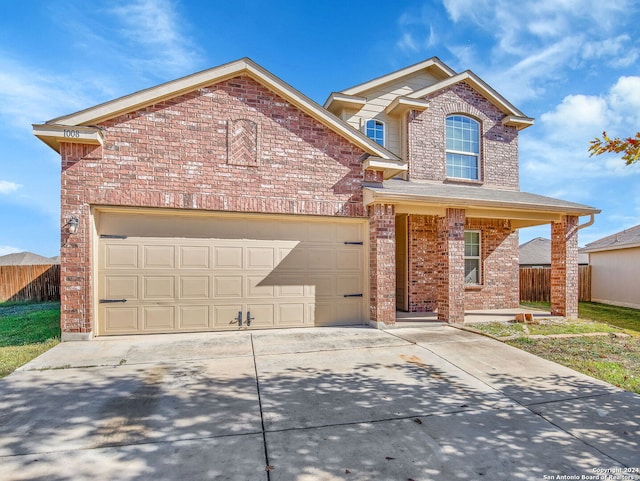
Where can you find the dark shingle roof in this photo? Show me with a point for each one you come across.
(620, 240)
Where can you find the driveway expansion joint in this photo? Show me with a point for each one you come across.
(264, 433)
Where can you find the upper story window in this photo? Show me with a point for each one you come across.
(463, 147)
(375, 130)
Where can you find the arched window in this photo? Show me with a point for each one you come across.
(374, 129)
(463, 147)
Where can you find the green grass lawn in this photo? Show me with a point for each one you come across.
(612, 359)
(26, 331)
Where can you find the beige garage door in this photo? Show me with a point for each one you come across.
(228, 273)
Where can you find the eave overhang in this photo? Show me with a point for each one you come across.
(245, 66)
(612, 247)
(389, 168)
(338, 101)
(522, 213)
(401, 105)
(54, 134)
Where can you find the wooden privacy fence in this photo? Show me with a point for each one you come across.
(30, 283)
(535, 283)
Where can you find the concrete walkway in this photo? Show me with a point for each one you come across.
(429, 403)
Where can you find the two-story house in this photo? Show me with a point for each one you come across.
(227, 199)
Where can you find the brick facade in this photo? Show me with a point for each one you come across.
(175, 154)
(564, 267)
(499, 288)
(382, 263)
(426, 138)
(451, 262)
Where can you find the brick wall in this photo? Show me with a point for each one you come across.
(426, 131)
(429, 266)
(423, 262)
(382, 263)
(175, 154)
(451, 266)
(564, 267)
(500, 267)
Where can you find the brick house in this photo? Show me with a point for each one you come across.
(227, 199)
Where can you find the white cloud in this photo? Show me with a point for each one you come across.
(4, 250)
(7, 187)
(576, 115)
(155, 28)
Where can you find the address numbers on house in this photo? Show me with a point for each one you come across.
(71, 134)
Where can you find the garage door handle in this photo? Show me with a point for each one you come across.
(352, 295)
(110, 301)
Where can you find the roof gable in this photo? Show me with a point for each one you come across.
(434, 65)
(53, 131)
(514, 117)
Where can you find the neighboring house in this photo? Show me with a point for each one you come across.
(537, 253)
(228, 198)
(615, 262)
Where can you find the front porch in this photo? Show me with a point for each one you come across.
(450, 253)
(418, 319)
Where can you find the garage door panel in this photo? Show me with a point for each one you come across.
(159, 257)
(284, 272)
(262, 314)
(260, 258)
(291, 314)
(158, 318)
(121, 256)
(350, 259)
(120, 287)
(321, 259)
(194, 287)
(159, 287)
(225, 316)
(226, 257)
(194, 257)
(259, 287)
(228, 286)
(120, 319)
(194, 317)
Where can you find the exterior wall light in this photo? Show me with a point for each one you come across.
(72, 225)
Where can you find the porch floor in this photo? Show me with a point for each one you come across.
(416, 319)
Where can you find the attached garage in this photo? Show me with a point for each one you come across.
(161, 273)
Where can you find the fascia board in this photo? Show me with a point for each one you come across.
(432, 62)
(610, 248)
(339, 99)
(477, 83)
(456, 202)
(54, 134)
(400, 105)
(215, 75)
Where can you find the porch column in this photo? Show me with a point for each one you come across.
(382, 263)
(564, 267)
(451, 284)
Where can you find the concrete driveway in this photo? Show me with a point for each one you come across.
(430, 403)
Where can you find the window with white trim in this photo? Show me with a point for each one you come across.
(374, 129)
(472, 257)
(463, 147)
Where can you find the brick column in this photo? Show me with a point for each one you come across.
(564, 267)
(382, 263)
(76, 320)
(451, 252)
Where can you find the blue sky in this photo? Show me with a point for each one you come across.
(574, 65)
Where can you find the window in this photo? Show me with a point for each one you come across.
(472, 261)
(463, 147)
(375, 131)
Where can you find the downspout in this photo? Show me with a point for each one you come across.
(589, 222)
